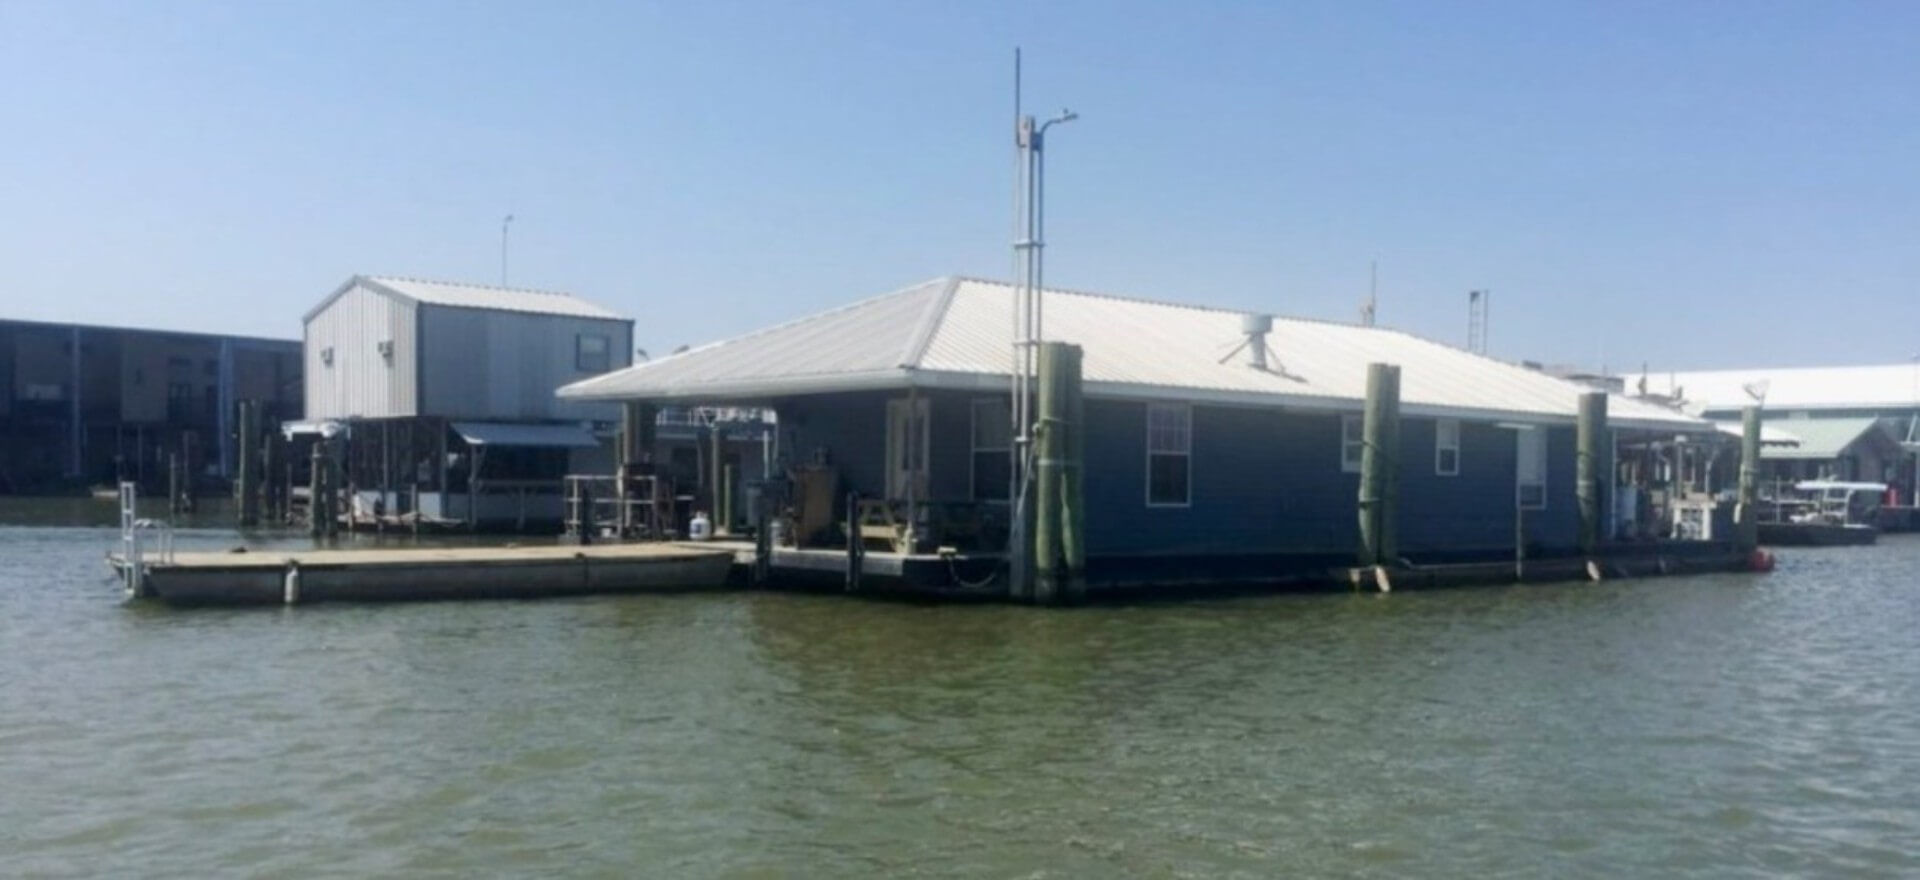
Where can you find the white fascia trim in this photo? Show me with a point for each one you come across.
(903, 378)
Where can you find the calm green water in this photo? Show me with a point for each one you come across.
(1712, 726)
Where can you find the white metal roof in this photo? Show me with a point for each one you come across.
(956, 333)
(475, 296)
(1886, 386)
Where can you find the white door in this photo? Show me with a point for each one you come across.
(907, 449)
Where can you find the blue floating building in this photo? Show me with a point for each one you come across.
(1217, 448)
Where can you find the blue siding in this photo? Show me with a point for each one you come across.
(1264, 481)
(1269, 481)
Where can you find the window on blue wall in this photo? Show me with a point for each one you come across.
(1530, 468)
(1169, 454)
(1352, 443)
(992, 446)
(592, 353)
(1446, 447)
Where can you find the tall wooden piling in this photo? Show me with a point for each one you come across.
(1379, 462)
(1073, 473)
(320, 492)
(1589, 438)
(729, 484)
(174, 497)
(246, 480)
(271, 501)
(1047, 455)
(1746, 517)
(1059, 522)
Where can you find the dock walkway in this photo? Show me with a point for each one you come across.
(424, 573)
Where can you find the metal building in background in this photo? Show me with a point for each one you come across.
(86, 406)
(444, 393)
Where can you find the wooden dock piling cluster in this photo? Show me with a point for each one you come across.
(1059, 527)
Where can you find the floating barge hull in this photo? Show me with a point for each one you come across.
(424, 574)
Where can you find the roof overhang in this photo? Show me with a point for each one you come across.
(902, 379)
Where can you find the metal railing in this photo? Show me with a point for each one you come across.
(133, 547)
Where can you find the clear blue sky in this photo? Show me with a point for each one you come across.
(1693, 184)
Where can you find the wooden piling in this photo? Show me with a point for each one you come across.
(1590, 439)
(1047, 457)
(1746, 517)
(1073, 509)
(323, 485)
(271, 500)
(729, 482)
(245, 478)
(1390, 481)
(174, 496)
(1379, 458)
(856, 550)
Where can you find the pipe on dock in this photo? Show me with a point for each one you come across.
(1590, 436)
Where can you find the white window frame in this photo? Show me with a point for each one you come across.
(1537, 434)
(1185, 451)
(1353, 436)
(1441, 444)
(974, 450)
(580, 352)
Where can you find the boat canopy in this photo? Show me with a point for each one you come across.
(1838, 485)
(512, 434)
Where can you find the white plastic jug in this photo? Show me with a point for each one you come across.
(701, 529)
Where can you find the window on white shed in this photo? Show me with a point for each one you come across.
(1530, 468)
(1352, 443)
(1169, 455)
(1446, 447)
(592, 353)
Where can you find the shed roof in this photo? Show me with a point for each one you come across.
(1883, 386)
(1822, 438)
(474, 296)
(956, 333)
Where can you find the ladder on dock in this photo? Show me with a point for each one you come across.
(629, 508)
(132, 563)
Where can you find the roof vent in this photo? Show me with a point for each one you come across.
(1256, 328)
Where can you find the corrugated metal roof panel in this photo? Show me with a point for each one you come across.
(872, 338)
(480, 296)
(1886, 386)
(1820, 439)
(952, 329)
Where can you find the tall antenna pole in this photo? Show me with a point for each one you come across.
(1479, 302)
(504, 223)
(1029, 138)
